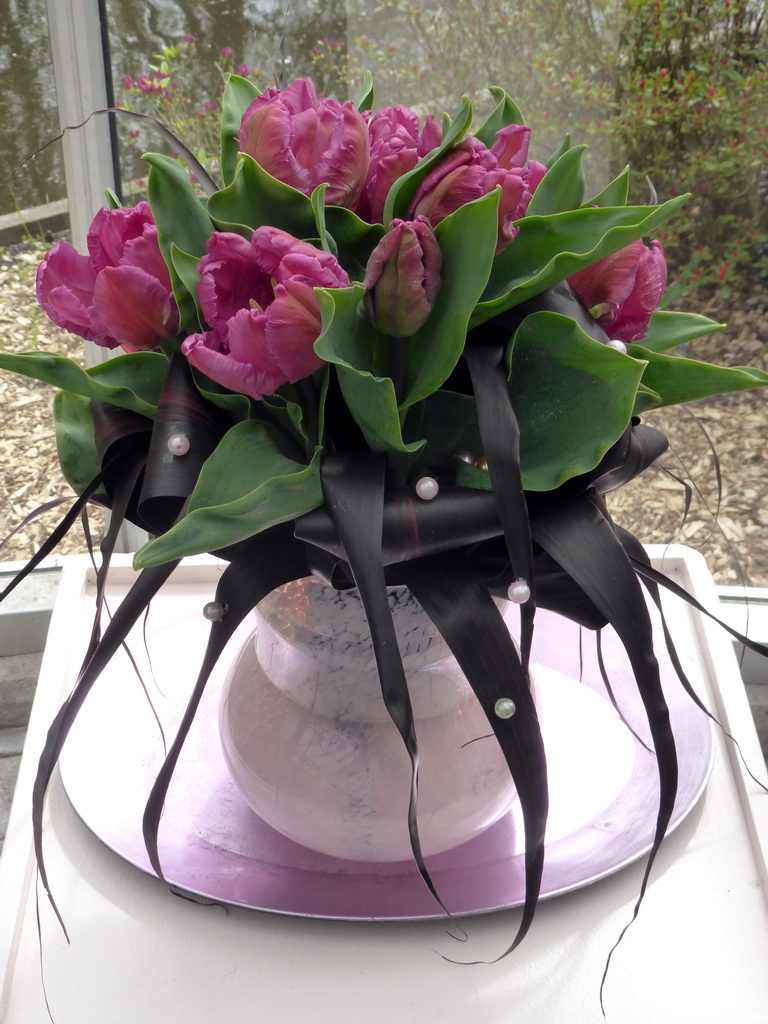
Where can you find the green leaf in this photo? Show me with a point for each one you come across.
(75, 442)
(131, 381)
(448, 420)
(185, 265)
(255, 198)
(573, 398)
(471, 476)
(549, 249)
(615, 192)
(355, 239)
(667, 330)
(181, 221)
(238, 406)
(239, 93)
(317, 199)
(645, 399)
(562, 187)
(113, 202)
(467, 239)
(246, 486)
(350, 342)
(564, 146)
(505, 113)
(685, 380)
(405, 188)
(363, 98)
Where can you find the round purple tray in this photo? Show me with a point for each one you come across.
(603, 794)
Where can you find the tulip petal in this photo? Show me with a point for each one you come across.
(254, 376)
(112, 230)
(231, 276)
(266, 133)
(293, 326)
(133, 307)
(65, 282)
(511, 149)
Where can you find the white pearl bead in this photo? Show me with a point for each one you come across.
(465, 456)
(504, 707)
(519, 592)
(427, 488)
(619, 346)
(178, 444)
(214, 611)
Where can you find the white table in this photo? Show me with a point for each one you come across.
(698, 953)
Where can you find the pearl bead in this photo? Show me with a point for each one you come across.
(619, 346)
(178, 444)
(214, 611)
(519, 592)
(427, 488)
(465, 456)
(504, 707)
(481, 463)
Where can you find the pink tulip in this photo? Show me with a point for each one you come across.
(305, 140)
(471, 170)
(397, 145)
(623, 290)
(120, 293)
(258, 298)
(402, 278)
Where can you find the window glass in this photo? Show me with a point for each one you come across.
(28, 109)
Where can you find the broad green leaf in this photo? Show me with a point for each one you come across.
(130, 381)
(185, 265)
(573, 398)
(363, 98)
(246, 486)
(75, 442)
(255, 198)
(684, 380)
(348, 338)
(355, 239)
(239, 93)
(181, 221)
(562, 187)
(615, 192)
(405, 188)
(467, 239)
(373, 403)
(549, 249)
(505, 113)
(667, 330)
(350, 342)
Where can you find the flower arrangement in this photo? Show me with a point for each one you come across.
(379, 350)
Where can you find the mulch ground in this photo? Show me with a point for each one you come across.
(730, 530)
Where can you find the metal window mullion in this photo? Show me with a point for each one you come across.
(81, 87)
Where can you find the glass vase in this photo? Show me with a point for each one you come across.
(310, 744)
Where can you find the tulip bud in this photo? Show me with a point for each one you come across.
(402, 278)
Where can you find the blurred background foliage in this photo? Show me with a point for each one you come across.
(676, 88)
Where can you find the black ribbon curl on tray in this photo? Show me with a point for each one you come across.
(455, 553)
